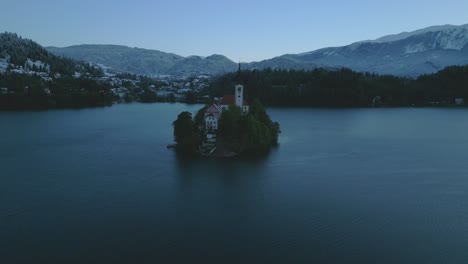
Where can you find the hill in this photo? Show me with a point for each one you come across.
(25, 54)
(146, 62)
(33, 78)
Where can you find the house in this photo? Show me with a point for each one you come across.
(212, 115)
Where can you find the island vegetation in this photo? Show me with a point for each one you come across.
(238, 133)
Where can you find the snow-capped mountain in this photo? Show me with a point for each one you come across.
(413, 53)
(454, 30)
(408, 54)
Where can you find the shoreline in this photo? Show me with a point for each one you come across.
(268, 106)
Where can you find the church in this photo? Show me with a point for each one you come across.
(213, 113)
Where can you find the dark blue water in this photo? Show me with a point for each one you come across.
(345, 186)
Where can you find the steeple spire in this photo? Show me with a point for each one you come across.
(239, 74)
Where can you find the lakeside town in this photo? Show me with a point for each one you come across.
(125, 87)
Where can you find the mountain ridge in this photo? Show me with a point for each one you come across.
(146, 61)
(411, 54)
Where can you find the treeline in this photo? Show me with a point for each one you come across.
(33, 93)
(346, 88)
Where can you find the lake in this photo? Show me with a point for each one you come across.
(344, 186)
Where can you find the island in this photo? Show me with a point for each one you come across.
(228, 127)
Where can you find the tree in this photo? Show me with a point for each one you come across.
(258, 136)
(184, 133)
(171, 98)
(199, 119)
(228, 126)
(259, 113)
(190, 97)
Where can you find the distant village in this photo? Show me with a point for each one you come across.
(165, 88)
(125, 87)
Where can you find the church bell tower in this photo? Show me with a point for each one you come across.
(239, 94)
(239, 90)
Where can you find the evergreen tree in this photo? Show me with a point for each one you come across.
(184, 133)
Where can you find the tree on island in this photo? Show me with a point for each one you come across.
(252, 133)
(184, 134)
(230, 124)
(261, 131)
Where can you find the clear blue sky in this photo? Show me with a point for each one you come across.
(243, 29)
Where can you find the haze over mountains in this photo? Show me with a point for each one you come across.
(413, 53)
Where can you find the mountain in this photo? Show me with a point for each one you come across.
(146, 62)
(212, 65)
(121, 58)
(414, 53)
(287, 62)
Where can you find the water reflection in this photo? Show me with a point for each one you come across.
(224, 173)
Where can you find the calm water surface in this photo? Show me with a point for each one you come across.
(345, 186)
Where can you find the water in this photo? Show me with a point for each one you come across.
(345, 186)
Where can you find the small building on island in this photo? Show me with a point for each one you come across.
(213, 113)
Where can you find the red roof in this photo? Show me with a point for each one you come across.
(229, 99)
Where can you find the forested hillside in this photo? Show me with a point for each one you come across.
(346, 88)
(33, 78)
(18, 50)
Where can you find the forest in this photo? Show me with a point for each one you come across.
(346, 88)
(32, 93)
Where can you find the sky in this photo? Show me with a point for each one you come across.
(242, 30)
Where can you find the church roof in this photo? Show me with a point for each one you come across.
(229, 99)
(212, 111)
